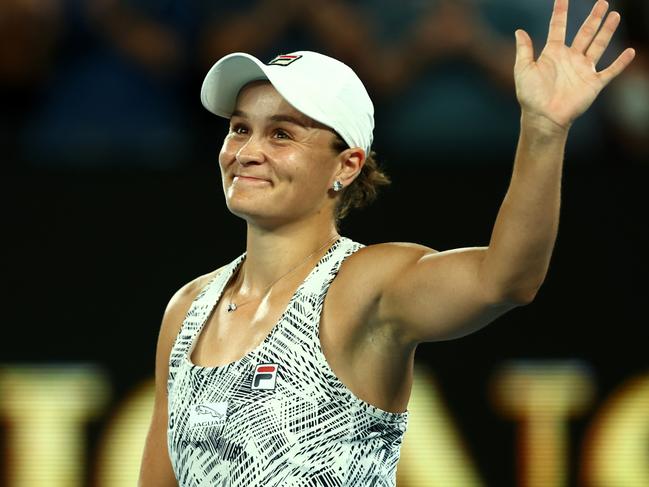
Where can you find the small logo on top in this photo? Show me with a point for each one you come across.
(265, 376)
(283, 60)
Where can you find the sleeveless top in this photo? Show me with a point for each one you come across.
(279, 416)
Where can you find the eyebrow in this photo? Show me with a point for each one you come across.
(281, 117)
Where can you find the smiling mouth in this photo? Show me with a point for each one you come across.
(249, 179)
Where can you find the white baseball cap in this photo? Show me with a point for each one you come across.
(319, 86)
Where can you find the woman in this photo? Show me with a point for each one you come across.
(292, 364)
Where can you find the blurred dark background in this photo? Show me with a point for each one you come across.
(114, 199)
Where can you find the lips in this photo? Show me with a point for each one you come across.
(246, 177)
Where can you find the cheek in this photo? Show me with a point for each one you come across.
(227, 154)
(312, 178)
(226, 150)
(300, 171)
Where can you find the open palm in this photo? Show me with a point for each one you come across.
(563, 82)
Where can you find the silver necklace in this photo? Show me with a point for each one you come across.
(233, 306)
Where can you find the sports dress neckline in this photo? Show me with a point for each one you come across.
(278, 416)
(234, 266)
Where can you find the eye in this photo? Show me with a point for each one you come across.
(239, 129)
(281, 134)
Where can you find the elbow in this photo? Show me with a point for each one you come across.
(514, 296)
(521, 297)
(512, 289)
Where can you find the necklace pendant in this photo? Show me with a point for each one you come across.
(231, 307)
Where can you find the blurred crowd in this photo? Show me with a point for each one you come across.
(115, 83)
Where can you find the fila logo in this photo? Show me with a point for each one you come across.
(265, 376)
(283, 60)
(208, 414)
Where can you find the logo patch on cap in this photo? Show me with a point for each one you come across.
(283, 60)
(265, 376)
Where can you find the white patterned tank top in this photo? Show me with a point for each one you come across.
(278, 416)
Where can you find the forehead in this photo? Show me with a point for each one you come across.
(261, 98)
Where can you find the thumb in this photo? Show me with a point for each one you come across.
(524, 49)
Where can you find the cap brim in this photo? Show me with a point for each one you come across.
(226, 78)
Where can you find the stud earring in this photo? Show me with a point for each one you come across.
(337, 186)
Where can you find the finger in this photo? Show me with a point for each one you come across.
(590, 26)
(558, 22)
(524, 49)
(603, 38)
(619, 65)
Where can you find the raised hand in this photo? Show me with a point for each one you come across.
(563, 82)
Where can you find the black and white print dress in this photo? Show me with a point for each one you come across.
(279, 416)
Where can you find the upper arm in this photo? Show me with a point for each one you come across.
(430, 295)
(155, 469)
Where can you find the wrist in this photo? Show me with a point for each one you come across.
(543, 126)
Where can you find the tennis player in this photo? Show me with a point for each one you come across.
(292, 365)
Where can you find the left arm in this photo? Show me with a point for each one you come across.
(432, 296)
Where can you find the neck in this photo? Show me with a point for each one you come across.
(272, 254)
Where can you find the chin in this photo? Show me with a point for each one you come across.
(267, 209)
(262, 215)
(249, 210)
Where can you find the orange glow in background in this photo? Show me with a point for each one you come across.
(45, 411)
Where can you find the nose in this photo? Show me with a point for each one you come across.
(250, 152)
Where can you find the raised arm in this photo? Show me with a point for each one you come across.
(433, 296)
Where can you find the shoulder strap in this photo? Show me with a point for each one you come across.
(319, 282)
(198, 312)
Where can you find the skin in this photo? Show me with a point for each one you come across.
(387, 298)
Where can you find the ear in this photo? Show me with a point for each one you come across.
(350, 163)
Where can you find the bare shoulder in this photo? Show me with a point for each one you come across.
(370, 269)
(182, 300)
(399, 250)
(188, 292)
(382, 260)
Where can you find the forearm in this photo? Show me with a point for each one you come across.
(522, 240)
